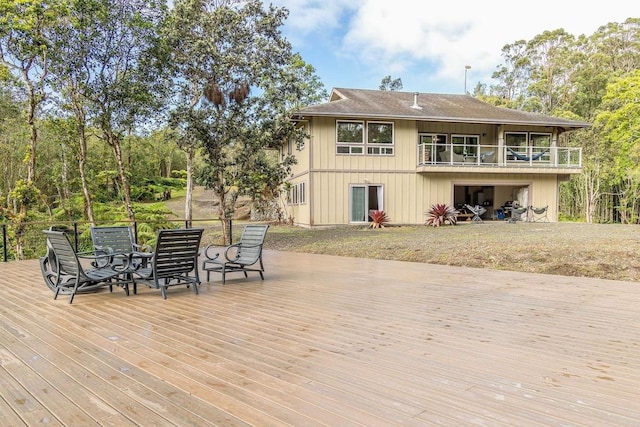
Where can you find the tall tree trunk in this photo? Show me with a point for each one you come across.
(114, 142)
(188, 208)
(82, 160)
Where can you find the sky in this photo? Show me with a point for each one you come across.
(356, 43)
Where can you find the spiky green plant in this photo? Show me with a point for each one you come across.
(379, 219)
(440, 214)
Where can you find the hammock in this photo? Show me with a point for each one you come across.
(527, 158)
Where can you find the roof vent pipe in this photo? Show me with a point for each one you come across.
(415, 101)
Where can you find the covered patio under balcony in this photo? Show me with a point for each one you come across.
(325, 341)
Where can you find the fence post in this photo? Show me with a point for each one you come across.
(75, 234)
(230, 231)
(4, 241)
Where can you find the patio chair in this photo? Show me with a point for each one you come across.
(539, 214)
(119, 240)
(64, 273)
(244, 256)
(174, 261)
(516, 214)
(477, 212)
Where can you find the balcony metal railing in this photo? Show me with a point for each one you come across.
(498, 156)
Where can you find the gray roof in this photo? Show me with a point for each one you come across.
(382, 104)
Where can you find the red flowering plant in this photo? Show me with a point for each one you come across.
(379, 219)
(440, 214)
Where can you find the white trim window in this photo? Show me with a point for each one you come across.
(362, 199)
(467, 145)
(297, 194)
(528, 145)
(380, 138)
(349, 137)
(374, 139)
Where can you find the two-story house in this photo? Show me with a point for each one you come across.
(402, 152)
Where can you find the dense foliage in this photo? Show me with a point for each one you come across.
(106, 103)
(591, 78)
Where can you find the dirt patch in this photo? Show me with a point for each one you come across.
(205, 205)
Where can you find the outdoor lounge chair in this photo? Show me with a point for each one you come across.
(64, 273)
(539, 214)
(174, 261)
(246, 255)
(477, 212)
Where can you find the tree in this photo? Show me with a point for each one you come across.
(25, 49)
(115, 81)
(222, 51)
(387, 84)
(26, 52)
(618, 126)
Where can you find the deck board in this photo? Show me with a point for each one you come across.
(325, 341)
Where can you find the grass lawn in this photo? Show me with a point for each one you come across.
(607, 251)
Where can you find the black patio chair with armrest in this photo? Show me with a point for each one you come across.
(244, 256)
(119, 240)
(174, 261)
(64, 273)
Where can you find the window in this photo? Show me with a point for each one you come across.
(351, 138)
(515, 139)
(430, 145)
(379, 138)
(302, 193)
(362, 199)
(466, 145)
(297, 194)
(540, 140)
(530, 145)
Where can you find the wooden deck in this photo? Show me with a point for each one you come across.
(325, 341)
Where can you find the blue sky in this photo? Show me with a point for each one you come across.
(427, 44)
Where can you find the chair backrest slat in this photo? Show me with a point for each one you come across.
(67, 259)
(176, 251)
(251, 242)
(118, 238)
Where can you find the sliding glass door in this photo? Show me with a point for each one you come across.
(362, 199)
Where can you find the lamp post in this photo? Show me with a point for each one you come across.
(466, 68)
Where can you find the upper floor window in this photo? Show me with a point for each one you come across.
(528, 145)
(380, 138)
(351, 137)
(466, 145)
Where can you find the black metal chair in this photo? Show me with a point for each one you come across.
(244, 256)
(174, 261)
(119, 241)
(64, 273)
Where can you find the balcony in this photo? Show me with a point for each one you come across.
(498, 159)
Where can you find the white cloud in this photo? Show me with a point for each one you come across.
(392, 37)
